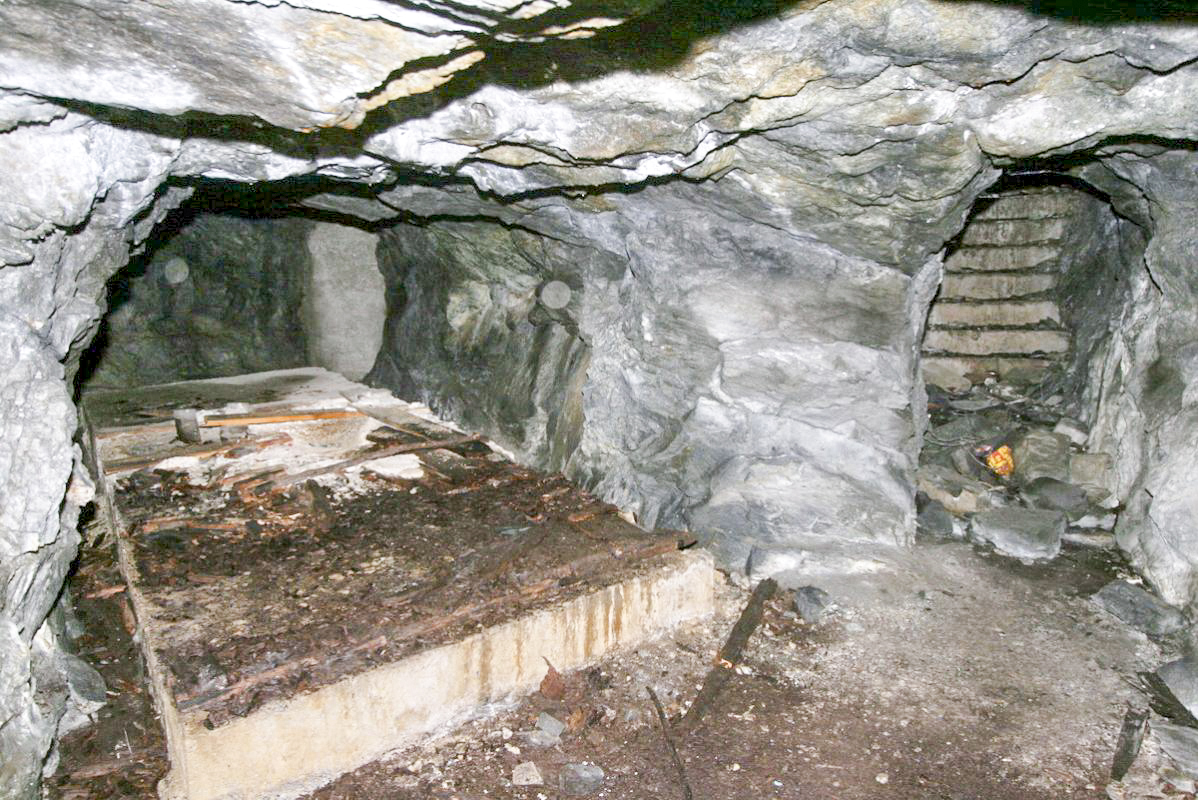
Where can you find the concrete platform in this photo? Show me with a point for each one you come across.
(302, 615)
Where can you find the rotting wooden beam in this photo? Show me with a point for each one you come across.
(228, 420)
(363, 457)
(728, 656)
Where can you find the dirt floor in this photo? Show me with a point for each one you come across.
(124, 753)
(958, 674)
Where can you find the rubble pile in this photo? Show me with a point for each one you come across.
(1002, 466)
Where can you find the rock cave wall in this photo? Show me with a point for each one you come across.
(220, 296)
(746, 200)
(1100, 253)
(671, 381)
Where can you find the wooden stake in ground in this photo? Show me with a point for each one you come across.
(687, 794)
(1131, 736)
(729, 655)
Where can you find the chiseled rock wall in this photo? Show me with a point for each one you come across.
(709, 372)
(222, 296)
(1147, 385)
(749, 210)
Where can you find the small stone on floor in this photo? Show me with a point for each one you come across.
(580, 780)
(812, 603)
(526, 774)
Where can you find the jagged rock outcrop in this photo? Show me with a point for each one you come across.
(746, 200)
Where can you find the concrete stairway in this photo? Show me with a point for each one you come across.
(997, 306)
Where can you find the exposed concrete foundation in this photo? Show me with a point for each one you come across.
(344, 300)
(298, 744)
(275, 687)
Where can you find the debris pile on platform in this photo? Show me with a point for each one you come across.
(322, 573)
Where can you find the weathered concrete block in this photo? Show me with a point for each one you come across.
(986, 342)
(345, 302)
(950, 371)
(1001, 314)
(1013, 231)
(1029, 206)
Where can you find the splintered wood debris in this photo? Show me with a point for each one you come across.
(336, 533)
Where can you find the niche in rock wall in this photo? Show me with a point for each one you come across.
(231, 284)
(1030, 287)
(1013, 355)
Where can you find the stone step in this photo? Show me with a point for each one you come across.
(1008, 257)
(1001, 314)
(950, 371)
(1003, 286)
(1029, 206)
(1013, 231)
(996, 341)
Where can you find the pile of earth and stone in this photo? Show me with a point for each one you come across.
(1005, 466)
(1002, 466)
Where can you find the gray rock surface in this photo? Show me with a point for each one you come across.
(1149, 366)
(234, 309)
(812, 603)
(550, 724)
(526, 774)
(1140, 609)
(1020, 532)
(816, 559)
(580, 780)
(934, 520)
(1181, 676)
(1055, 495)
(1179, 743)
(1041, 454)
(749, 227)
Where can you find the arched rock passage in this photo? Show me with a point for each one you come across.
(748, 215)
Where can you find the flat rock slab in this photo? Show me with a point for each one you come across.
(295, 630)
(1140, 609)
(1021, 532)
(1179, 743)
(1055, 495)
